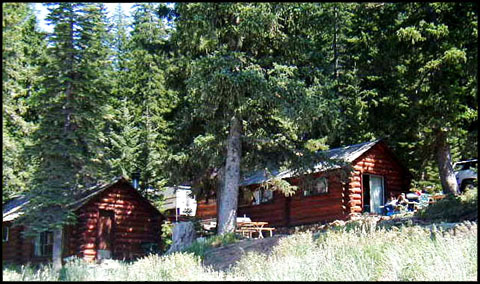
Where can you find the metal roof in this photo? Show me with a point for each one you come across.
(346, 154)
(14, 208)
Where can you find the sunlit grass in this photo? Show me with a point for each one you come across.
(407, 253)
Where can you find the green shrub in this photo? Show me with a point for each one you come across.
(453, 208)
(167, 233)
(199, 248)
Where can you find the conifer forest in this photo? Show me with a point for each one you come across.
(202, 93)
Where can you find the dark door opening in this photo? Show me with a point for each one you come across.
(366, 193)
(105, 233)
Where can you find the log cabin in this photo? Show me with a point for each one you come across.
(360, 181)
(113, 221)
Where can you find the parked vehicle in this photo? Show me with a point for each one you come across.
(466, 173)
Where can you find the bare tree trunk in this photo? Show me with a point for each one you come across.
(227, 211)
(444, 161)
(57, 249)
(220, 187)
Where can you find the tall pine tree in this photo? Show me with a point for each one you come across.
(250, 91)
(70, 108)
(142, 124)
(22, 51)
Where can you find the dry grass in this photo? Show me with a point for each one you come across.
(408, 253)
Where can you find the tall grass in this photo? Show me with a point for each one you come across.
(409, 253)
(406, 254)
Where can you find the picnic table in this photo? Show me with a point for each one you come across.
(250, 227)
(245, 226)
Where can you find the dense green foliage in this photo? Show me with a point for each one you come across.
(158, 92)
(141, 103)
(22, 48)
(70, 104)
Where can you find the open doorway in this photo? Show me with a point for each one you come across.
(373, 193)
(105, 233)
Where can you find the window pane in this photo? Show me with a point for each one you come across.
(43, 244)
(267, 195)
(321, 185)
(256, 195)
(5, 233)
(37, 246)
(315, 186)
(49, 238)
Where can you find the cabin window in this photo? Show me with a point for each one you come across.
(5, 231)
(44, 244)
(315, 186)
(245, 197)
(262, 196)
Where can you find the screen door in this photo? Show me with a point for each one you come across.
(376, 194)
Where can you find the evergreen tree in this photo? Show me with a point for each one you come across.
(22, 48)
(417, 64)
(248, 94)
(119, 26)
(141, 82)
(70, 113)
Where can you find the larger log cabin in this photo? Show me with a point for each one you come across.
(113, 221)
(365, 176)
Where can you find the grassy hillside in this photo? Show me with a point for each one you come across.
(353, 253)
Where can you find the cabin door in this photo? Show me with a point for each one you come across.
(376, 194)
(373, 190)
(105, 234)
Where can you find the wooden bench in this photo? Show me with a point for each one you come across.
(244, 232)
(267, 229)
(253, 228)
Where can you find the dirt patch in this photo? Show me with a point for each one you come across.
(223, 257)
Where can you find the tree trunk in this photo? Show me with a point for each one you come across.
(57, 249)
(227, 211)
(220, 187)
(444, 161)
(183, 236)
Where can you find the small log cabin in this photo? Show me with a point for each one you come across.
(113, 221)
(367, 173)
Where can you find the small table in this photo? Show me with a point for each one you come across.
(252, 227)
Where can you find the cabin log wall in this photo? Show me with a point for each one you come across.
(377, 161)
(135, 222)
(344, 197)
